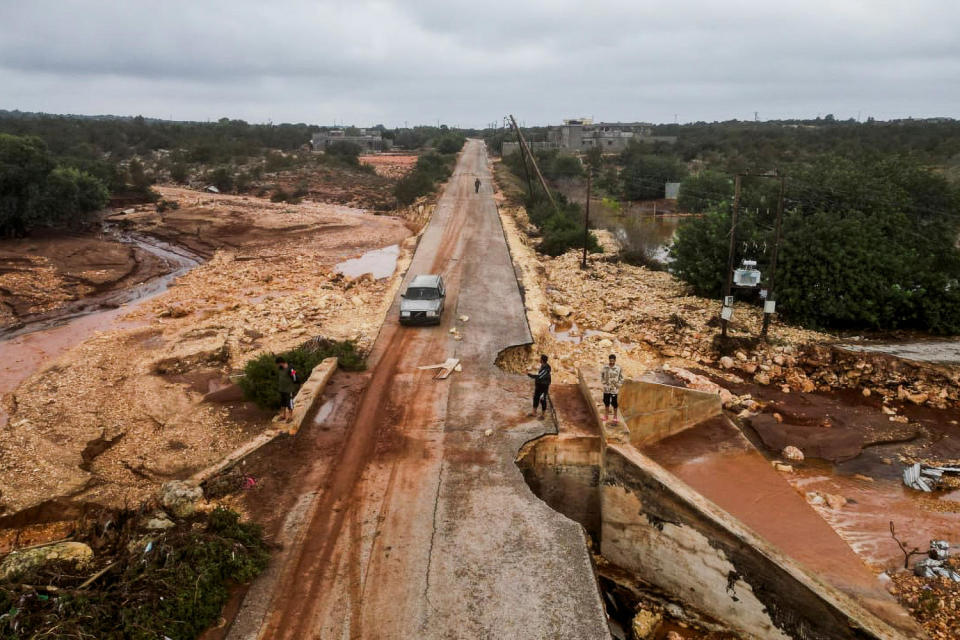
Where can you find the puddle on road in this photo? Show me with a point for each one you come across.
(380, 263)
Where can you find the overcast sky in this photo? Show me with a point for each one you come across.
(470, 63)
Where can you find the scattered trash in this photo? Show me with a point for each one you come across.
(249, 482)
(445, 368)
(935, 565)
(464, 318)
(923, 477)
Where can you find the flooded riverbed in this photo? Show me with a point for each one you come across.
(637, 228)
(39, 341)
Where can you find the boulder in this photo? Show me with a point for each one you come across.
(726, 362)
(19, 563)
(210, 351)
(158, 521)
(561, 310)
(791, 452)
(645, 624)
(180, 498)
(761, 378)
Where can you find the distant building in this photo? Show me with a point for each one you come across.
(367, 140)
(582, 134)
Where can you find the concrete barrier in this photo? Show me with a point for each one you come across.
(658, 527)
(310, 392)
(654, 411)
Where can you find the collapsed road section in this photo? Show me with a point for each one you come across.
(421, 526)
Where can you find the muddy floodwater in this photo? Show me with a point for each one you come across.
(26, 350)
(380, 263)
(637, 228)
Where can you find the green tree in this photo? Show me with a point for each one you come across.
(703, 191)
(644, 176)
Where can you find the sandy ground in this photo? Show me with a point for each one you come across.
(122, 412)
(391, 165)
(44, 273)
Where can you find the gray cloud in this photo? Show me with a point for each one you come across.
(469, 63)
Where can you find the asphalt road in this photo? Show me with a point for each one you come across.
(421, 526)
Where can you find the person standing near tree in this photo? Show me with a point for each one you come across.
(611, 376)
(286, 386)
(541, 387)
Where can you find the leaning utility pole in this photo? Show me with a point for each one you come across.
(770, 304)
(730, 258)
(526, 148)
(586, 222)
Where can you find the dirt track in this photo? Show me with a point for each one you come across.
(420, 525)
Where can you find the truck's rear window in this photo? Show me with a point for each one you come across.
(422, 293)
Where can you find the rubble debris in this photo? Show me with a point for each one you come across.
(927, 478)
(935, 565)
(645, 624)
(444, 368)
(791, 452)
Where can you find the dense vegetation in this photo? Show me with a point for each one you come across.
(171, 584)
(868, 243)
(259, 381)
(430, 169)
(36, 192)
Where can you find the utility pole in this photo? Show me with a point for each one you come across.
(586, 222)
(730, 257)
(525, 147)
(770, 304)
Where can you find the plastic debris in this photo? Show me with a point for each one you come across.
(935, 566)
(926, 478)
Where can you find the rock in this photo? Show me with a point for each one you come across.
(890, 411)
(645, 624)
(741, 356)
(464, 318)
(729, 400)
(815, 498)
(834, 501)
(488, 432)
(19, 563)
(791, 452)
(807, 386)
(761, 378)
(180, 498)
(917, 398)
(746, 413)
(778, 417)
(673, 635)
(749, 368)
(785, 388)
(561, 310)
(669, 352)
(866, 392)
(158, 521)
(209, 351)
(785, 468)
(609, 327)
(605, 343)
(862, 478)
(726, 362)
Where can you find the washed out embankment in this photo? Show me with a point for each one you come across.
(146, 378)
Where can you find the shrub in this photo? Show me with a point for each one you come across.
(221, 178)
(703, 191)
(346, 152)
(175, 588)
(259, 381)
(450, 143)
(561, 228)
(430, 169)
(280, 196)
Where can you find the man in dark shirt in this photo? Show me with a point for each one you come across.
(541, 387)
(476, 185)
(287, 387)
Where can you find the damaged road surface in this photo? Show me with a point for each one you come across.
(423, 526)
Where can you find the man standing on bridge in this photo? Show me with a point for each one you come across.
(476, 185)
(611, 376)
(541, 387)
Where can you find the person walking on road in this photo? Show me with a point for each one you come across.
(476, 185)
(541, 387)
(611, 376)
(287, 386)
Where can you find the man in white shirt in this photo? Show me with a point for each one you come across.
(611, 376)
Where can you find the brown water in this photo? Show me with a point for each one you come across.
(380, 263)
(38, 343)
(637, 230)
